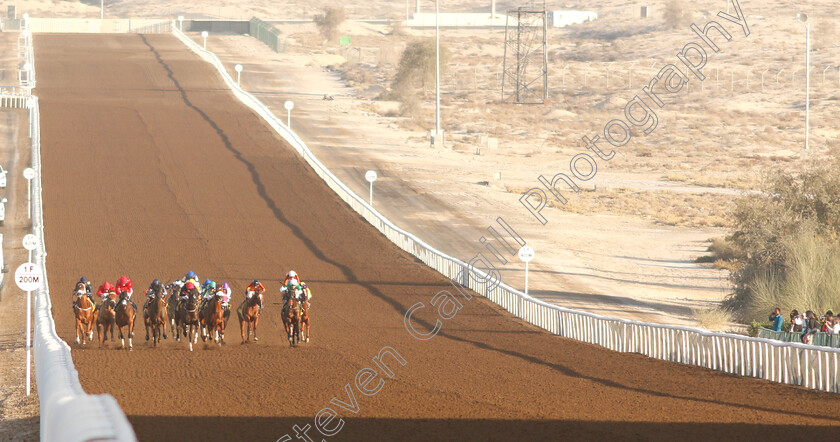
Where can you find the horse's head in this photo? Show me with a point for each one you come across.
(107, 303)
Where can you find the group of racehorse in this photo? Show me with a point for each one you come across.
(185, 318)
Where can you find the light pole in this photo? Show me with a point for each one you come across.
(289, 105)
(238, 69)
(437, 73)
(804, 18)
(102, 9)
(205, 34)
(370, 176)
(181, 23)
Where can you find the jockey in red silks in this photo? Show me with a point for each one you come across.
(106, 290)
(124, 285)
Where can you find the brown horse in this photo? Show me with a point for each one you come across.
(249, 316)
(291, 320)
(84, 310)
(105, 320)
(213, 317)
(156, 317)
(124, 316)
(188, 315)
(175, 293)
(304, 321)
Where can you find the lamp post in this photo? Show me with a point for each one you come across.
(238, 69)
(437, 72)
(370, 176)
(102, 9)
(289, 105)
(205, 34)
(804, 18)
(181, 23)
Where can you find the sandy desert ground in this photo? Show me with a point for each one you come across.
(625, 245)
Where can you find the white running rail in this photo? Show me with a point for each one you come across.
(791, 363)
(68, 414)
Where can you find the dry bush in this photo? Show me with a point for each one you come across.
(676, 14)
(787, 235)
(714, 319)
(811, 280)
(416, 73)
(329, 21)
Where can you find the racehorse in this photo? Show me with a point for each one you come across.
(175, 290)
(213, 317)
(304, 321)
(188, 315)
(105, 321)
(249, 316)
(83, 309)
(156, 317)
(124, 315)
(291, 320)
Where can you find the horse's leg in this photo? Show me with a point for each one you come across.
(146, 321)
(190, 336)
(243, 326)
(122, 337)
(78, 324)
(256, 321)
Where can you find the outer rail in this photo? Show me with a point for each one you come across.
(784, 362)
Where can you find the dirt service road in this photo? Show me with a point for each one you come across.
(152, 168)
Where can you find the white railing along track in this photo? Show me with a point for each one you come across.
(784, 362)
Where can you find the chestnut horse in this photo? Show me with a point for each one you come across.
(156, 317)
(84, 310)
(213, 317)
(124, 316)
(105, 321)
(249, 316)
(304, 321)
(188, 315)
(291, 320)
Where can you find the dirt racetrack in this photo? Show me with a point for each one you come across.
(151, 168)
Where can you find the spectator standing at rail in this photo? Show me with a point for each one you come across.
(776, 320)
(828, 322)
(812, 327)
(797, 323)
(835, 327)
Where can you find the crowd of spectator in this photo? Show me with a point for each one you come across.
(807, 323)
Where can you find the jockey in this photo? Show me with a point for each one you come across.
(88, 289)
(208, 289)
(226, 293)
(150, 292)
(306, 294)
(190, 276)
(185, 293)
(106, 290)
(289, 276)
(255, 287)
(291, 288)
(124, 285)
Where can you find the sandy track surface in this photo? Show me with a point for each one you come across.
(151, 168)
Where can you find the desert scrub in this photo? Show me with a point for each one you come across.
(664, 207)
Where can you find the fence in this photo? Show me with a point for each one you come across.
(107, 26)
(67, 412)
(818, 339)
(784, 362)
(266, 33)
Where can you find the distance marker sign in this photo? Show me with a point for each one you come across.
(29, 277)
